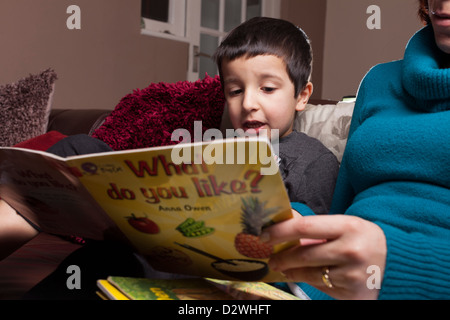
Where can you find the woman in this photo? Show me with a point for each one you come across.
(392, 240)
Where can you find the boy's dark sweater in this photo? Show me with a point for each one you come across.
(309, 171)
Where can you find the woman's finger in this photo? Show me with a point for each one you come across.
(322, 278)
(334, 281)
(313, 255)
(309, 227)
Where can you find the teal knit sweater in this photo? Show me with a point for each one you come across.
(396, 170)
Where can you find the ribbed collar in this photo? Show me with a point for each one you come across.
(422, 76)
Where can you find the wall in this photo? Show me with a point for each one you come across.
(109, 58)
(310, 15)
(97, 65)
(351, 49)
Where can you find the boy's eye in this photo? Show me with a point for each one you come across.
(235, 92)
(268, 89)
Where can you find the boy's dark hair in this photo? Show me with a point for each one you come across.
(269, 36)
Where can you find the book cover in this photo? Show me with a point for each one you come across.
(109, 291)
(194, 208)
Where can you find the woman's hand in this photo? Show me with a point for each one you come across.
(346, 245)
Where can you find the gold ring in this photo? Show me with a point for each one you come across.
(326, 277)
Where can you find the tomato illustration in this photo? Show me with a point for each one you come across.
(143, 224)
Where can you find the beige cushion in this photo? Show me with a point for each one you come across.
(328, 123)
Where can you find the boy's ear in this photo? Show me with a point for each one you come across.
(304, 96)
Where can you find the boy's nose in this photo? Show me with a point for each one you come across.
(250, 101)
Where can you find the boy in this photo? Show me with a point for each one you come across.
(265, 66)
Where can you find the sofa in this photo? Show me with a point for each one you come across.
(326, 120)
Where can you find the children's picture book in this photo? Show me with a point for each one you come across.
(195, 209)
(128, 288)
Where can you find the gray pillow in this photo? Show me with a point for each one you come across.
(25, 107)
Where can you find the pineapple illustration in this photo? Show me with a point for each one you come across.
(254, 217)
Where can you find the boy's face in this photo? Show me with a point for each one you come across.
(261, 96)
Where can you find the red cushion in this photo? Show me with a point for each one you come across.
(42, 142)
(147, 117)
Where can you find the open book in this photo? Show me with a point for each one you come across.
(192, 208)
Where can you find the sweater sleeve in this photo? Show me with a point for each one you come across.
(416, 266)
(302, 208)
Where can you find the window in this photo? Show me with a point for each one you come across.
(156, 10)
(163, 17)
(201, 23)
(217, 18)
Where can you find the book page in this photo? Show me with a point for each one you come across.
(40, 187)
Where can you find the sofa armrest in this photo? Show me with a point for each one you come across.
(76, 121)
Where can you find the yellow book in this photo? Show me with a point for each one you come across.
(194, 209)
(110, 291)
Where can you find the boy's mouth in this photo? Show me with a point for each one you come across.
(253, 125)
